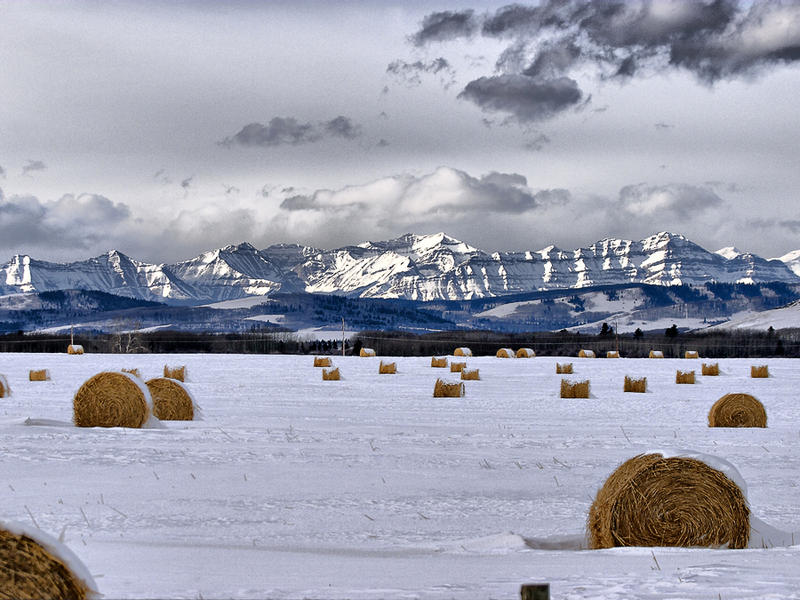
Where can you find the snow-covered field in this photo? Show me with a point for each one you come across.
(291, 487)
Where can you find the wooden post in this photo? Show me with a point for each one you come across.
(535, 591)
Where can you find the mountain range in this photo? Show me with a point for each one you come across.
(411, 267)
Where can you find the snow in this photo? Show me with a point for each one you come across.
(248, 302)
(369, 487)
(779, 318)
(275, 318)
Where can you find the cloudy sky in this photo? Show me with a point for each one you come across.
(164, 129)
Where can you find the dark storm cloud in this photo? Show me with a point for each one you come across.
(792, 225)
(526, 98)
(33, 165)
(289, 131)
(445, 25)
(537, 143)
(71, 221)
(712, 39)
(187, 183)
(299, 203)
(410, 72)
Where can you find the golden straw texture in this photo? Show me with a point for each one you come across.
(457, 367)
(684, 377)
(759, 372)
(110, 400)
(586, 354)
(322, 361)
(656, 354)
(331, 374)
(5, 390)
(579, 389)
(655, 501)
(462, 351)
(505, 353)
(29, 572)
(635, 385)
(178, 373)
(526, 353)
(443, 389)
(39, 375)
(691, 354)
(134, 372)
(74, 349)
(737, 410)
(387, 368)
(564, 369)
(470, 374)
(171, 401)
(439, 363)
(710, 369)
(367, 352)
(612, 354)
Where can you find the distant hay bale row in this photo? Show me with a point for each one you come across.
(651, 500)
(439, 362)
(505, 353)
(462, 351)
(472, 374)
(443, 389)
(457, 367)
(39, 375)
(759, 372)
(691, 354)
(710, 369)
(322, 361)
(171, 399)
(737, 410)
(656, 354)
(331, 374)
(111, 399)
(134, 372)
(5, 389)
(612, 354)
(34, 569)
(178, 373)
(526, 353)
(635, 385)
(74, 349)
(586, 354)
(387, 368)
(684, 377)
(367, 352)
(564, 369)
(578, 389)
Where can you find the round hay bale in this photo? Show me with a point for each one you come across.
(737, 410)
(33, 566)
(526, 353)
(462, 351)
(111, 399)
(171, 400)
(506, 353)
(655, 501)
(74, 349)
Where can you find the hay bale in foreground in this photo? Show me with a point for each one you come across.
(737, 410)
(563, 369)
(34, 566)
(684, 377)
(444, 389)
(331, 374)
(5, 389)
(39, 375)
(111, 399)
(612, 354)
(134, 372)
(759, 372)
(650, 500)
(505, 353)
(578, 389)
(178, 373)
(367, 352)
(462, 351)
(171, 400)
(586, 353)
(439, 362)
(712, 370)
(472, 374)
(457, 367)
(322, 361)
(656, 354)
(635, 385)
(691, 354)
(526, 353)
(387, 368)
(74, 349)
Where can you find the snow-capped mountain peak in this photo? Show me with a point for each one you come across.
(729, 252)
